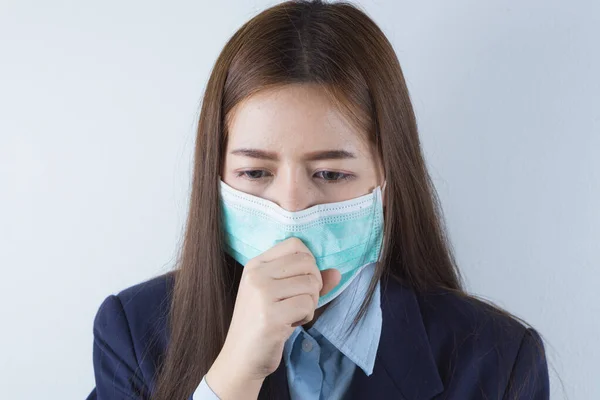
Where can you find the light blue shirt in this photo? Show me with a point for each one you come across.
(321, 361)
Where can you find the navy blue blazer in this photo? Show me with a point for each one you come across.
(433, 346)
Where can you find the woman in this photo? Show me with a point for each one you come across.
(314, 264)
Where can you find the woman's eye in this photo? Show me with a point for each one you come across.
(253, 174)
(326, 176)
(331, 176)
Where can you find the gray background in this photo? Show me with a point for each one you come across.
(99, 102)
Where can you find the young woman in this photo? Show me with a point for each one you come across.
(315, 264)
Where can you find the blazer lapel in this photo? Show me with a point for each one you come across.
(404, 365)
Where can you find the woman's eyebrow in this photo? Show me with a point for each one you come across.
(256, 153)
(329, 155)
(312, 156)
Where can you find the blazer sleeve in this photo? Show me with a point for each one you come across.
(116, 369)
(529, 377)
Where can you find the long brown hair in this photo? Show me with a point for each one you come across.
(337, 46)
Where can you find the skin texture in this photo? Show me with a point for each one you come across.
(277, 150)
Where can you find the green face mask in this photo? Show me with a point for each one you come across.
(346, 235)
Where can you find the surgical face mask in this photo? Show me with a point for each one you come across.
(346, 235)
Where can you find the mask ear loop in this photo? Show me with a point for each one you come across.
(383, 204)
(372, 219)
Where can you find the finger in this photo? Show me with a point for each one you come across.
(282, 289)
(331, 278)
(295, 309)
(291, 265)
(289, 246)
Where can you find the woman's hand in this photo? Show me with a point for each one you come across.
(278, 291)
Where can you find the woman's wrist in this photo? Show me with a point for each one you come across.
(228, 384)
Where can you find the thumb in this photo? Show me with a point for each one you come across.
(331, 277)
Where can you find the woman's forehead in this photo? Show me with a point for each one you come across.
(297, 118)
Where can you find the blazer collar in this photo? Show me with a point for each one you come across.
(404, 365)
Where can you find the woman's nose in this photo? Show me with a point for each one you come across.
(293, 194)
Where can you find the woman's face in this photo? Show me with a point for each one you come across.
(292, 146)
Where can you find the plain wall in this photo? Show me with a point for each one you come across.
(98, 108)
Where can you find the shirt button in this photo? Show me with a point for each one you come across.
(307, 345)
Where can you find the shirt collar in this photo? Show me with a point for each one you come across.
(406, 366)
(360, 344)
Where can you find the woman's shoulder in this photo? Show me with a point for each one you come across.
(149, 296)
(131, 332)
(459, 314)
(471, 337)
(142, 306)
